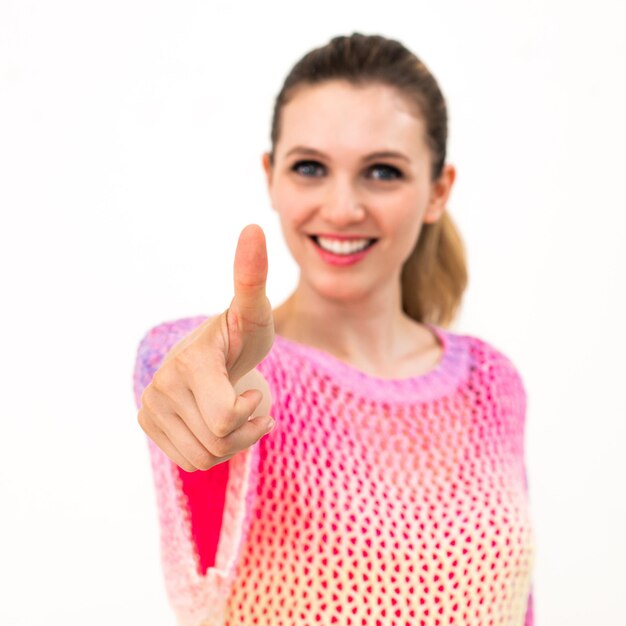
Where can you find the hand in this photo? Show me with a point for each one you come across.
(192, 408)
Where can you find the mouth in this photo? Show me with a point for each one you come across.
(342, 245)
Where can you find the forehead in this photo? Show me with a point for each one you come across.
(337, 117)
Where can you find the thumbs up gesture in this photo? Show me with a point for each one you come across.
(207, 402)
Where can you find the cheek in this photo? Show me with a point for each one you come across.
(404, 222)
(404, 216)
(292, 207)
(292, 216)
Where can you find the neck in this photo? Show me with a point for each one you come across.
(371, 332)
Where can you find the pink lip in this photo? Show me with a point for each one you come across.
(343, 259)
(342, 237)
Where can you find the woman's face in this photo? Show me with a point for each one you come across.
(352, 164)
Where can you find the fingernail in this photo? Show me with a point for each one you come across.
(271, 424)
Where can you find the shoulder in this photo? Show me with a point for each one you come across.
(167, 333)
(491, 364)
(155, 344)
(159, 339)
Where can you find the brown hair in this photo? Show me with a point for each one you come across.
(434, 276)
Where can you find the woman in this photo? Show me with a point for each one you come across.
(392, 488)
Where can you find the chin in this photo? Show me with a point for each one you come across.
(342, 291)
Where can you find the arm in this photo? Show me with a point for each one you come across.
(198, 498)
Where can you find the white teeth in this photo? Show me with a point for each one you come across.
(342, 246)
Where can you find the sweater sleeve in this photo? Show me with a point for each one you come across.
(511, 388)
(529, 620)
(519, 386)
(203, 515)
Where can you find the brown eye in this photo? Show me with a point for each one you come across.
(385, 172)
(308, 168)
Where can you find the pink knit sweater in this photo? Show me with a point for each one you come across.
(373, 502)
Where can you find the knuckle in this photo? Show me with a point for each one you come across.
(222, 428)
(188, 467)
(187, 361)
(146, 398)
(151, 403)
(220, 448)
(203, 460)
(164, 380)
(141, 419)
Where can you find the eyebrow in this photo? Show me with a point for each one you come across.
(373, 155)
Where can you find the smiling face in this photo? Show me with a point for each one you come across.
(352, 162)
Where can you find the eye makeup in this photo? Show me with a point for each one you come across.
(311, 169)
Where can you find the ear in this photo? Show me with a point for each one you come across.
(267, 167)
(269, 170)
(440, 193)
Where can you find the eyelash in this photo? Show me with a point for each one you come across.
(396, 172)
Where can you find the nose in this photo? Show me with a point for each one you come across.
(342, 204)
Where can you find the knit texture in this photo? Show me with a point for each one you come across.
(373, 502)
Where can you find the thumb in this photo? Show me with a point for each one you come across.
(250, 275)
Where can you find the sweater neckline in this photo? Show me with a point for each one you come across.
(437, 381)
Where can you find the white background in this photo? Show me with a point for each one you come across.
(131, 134)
